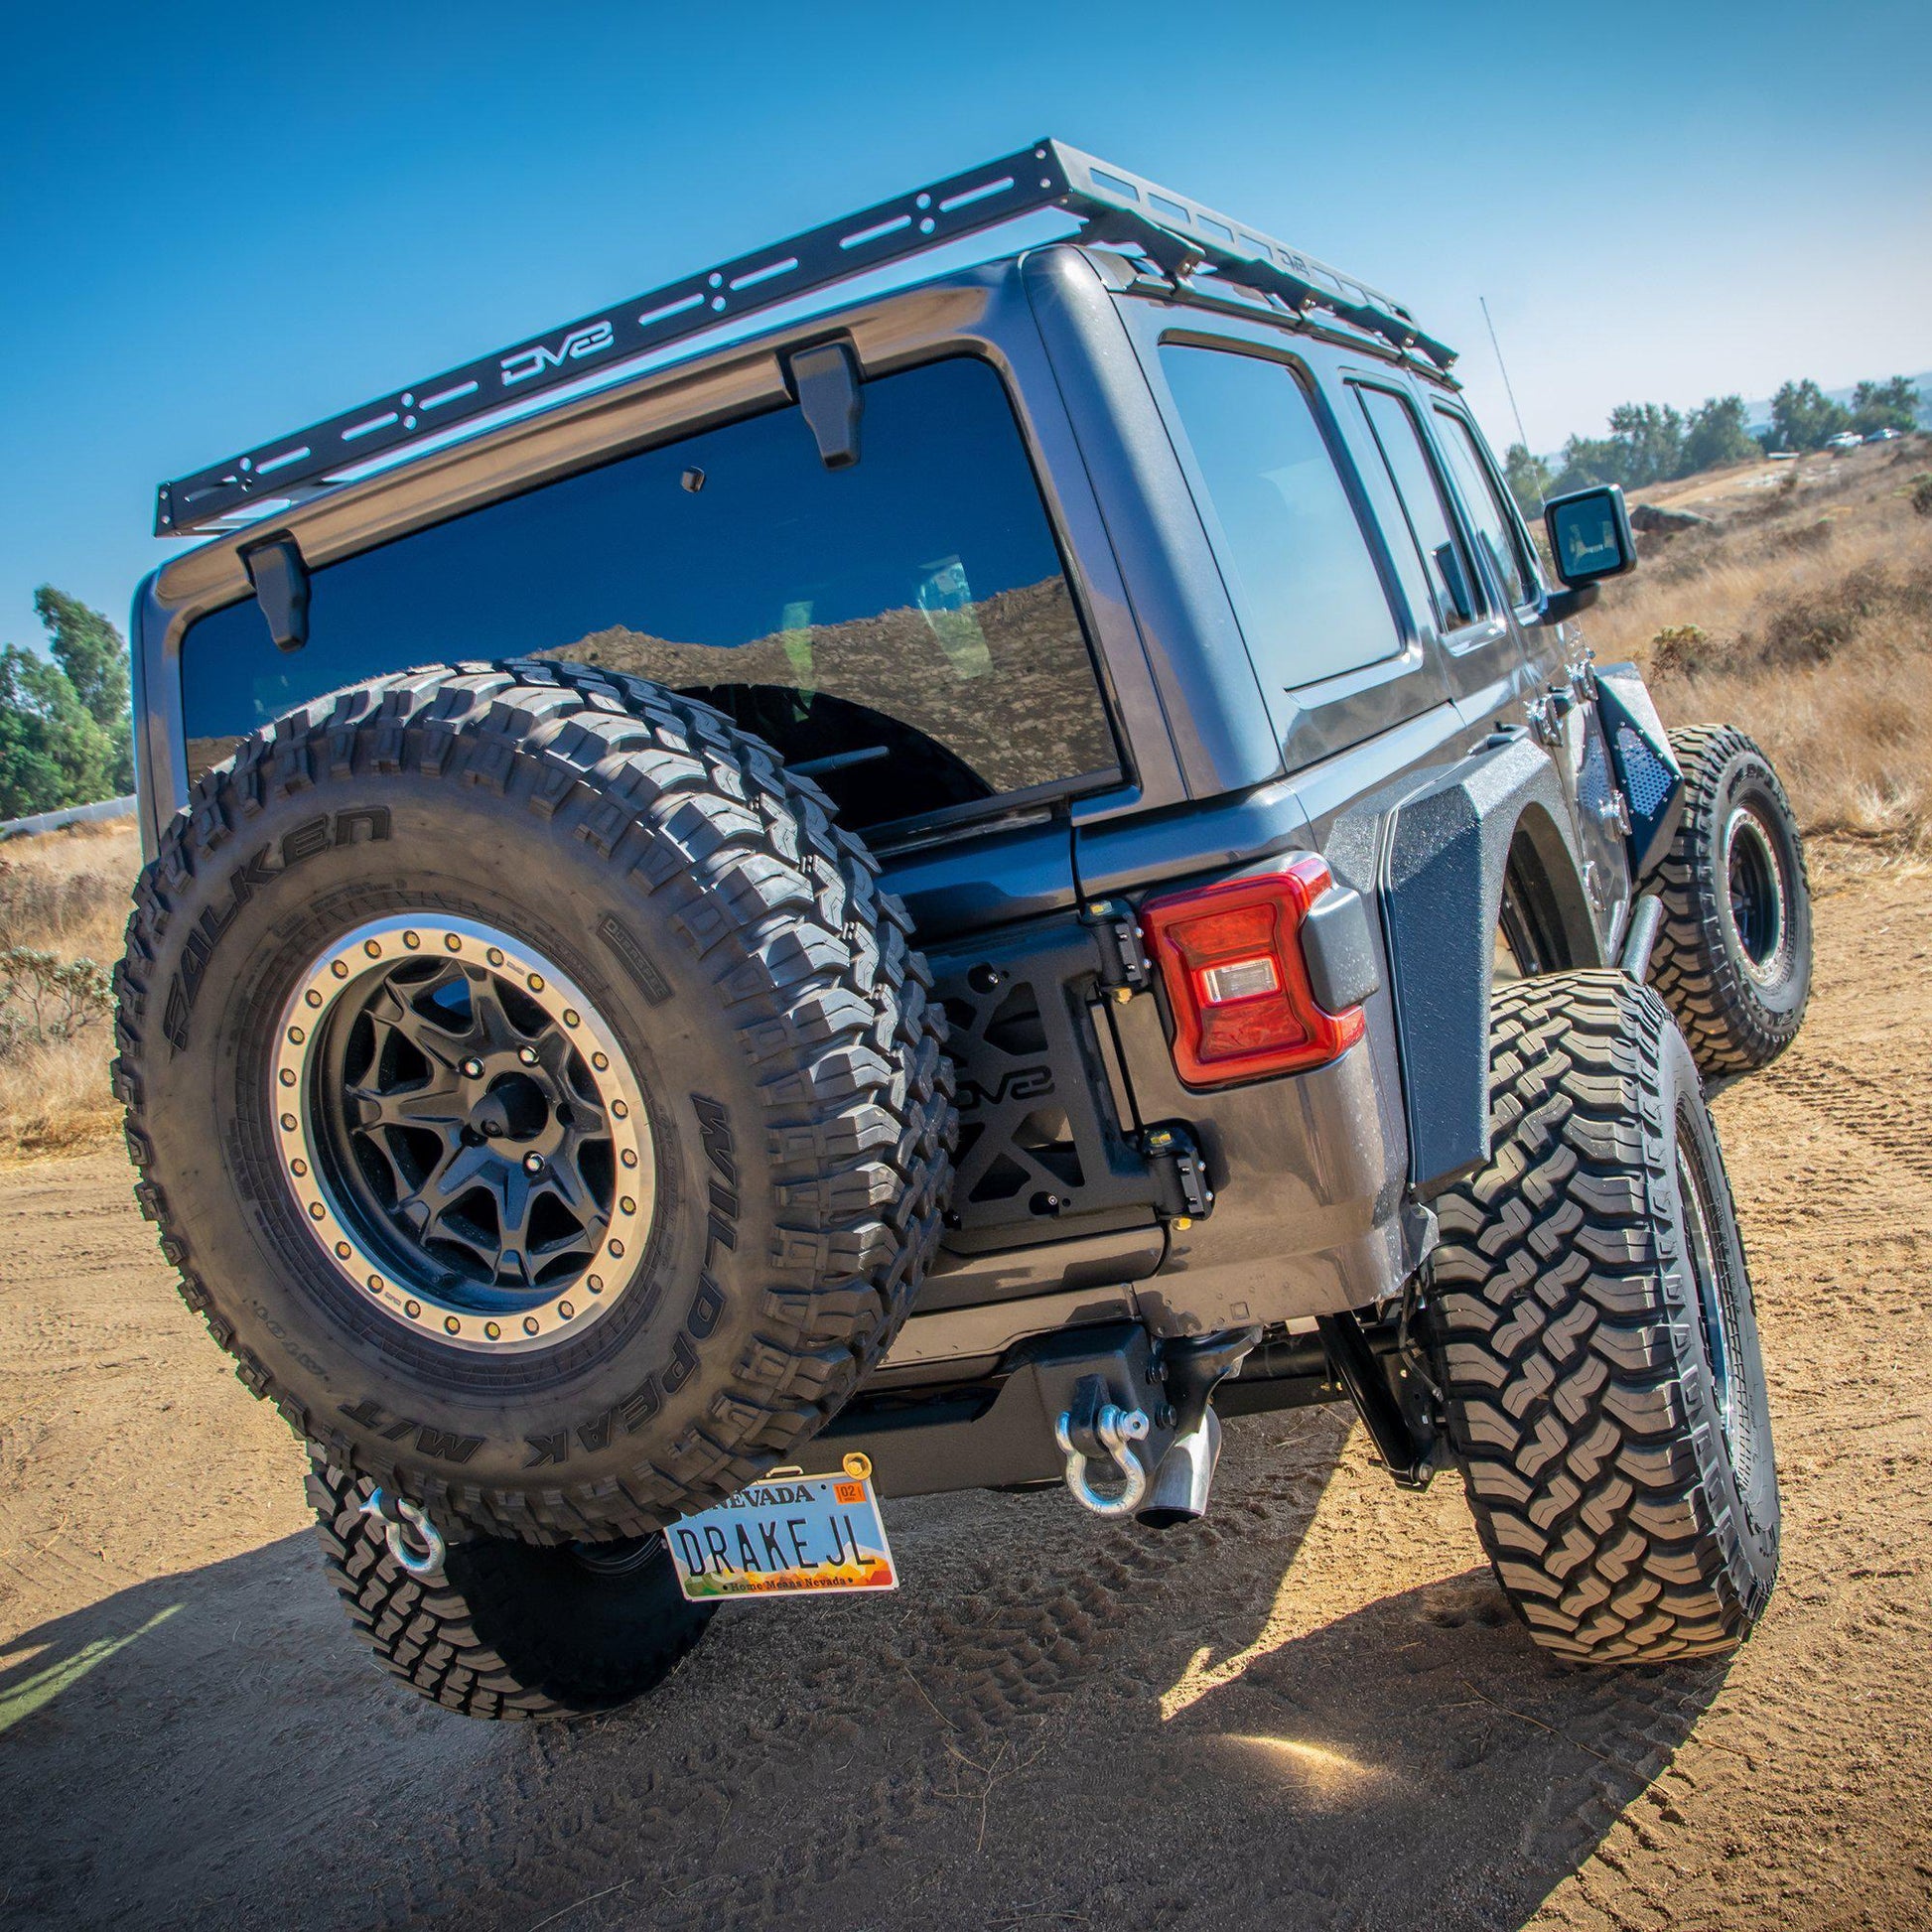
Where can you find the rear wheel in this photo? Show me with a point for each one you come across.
(508, 1629)
(1593, 1331)
(1733, 961)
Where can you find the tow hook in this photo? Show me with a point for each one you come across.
(393, 1513)
(1093, 1428)
(1157, 1468)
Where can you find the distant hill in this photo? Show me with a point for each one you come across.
(1759, 413)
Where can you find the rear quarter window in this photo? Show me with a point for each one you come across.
(901, 629)
(1432, 527)
(1299, 568)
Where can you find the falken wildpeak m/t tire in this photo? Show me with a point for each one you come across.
(509, 1629)
(1591, 1325)
(585, 950)
(1733, 960)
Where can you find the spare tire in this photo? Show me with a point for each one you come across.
(536, 1091)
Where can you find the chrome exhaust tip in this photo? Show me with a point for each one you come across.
(1181, 1485)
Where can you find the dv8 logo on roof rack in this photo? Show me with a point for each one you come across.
(590, 339)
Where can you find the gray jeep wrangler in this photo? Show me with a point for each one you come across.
(771, 900)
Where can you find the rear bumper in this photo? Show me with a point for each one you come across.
(998, 1432)
(1308, 1219)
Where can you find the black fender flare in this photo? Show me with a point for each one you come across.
(1446, 855)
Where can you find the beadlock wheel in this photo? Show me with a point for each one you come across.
(1756, 882)
(1732, 959)
(585, 1209)
(464, 1131)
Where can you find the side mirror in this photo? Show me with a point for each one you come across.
(1589, 535)
(1589, 540)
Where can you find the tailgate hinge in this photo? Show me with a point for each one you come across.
(1125, 968)
(1173, 1158)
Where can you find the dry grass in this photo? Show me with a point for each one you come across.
(67, 894)
(1804, 616)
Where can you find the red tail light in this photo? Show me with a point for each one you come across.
(1231, 959)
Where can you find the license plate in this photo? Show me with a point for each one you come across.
(788, 1534)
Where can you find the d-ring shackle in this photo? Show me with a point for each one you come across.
(430, 1563)
(1116, 1427)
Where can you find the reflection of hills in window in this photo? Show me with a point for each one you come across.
(1003, 684)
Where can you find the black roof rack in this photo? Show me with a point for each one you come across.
(1179, 235)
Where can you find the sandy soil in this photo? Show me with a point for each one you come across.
(1313, 1709)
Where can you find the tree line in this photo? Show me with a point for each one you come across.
(1652, 443)
(66, 737)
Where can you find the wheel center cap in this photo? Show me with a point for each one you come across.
(515, 1108)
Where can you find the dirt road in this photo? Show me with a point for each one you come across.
(1313, 1709)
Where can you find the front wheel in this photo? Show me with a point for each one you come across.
(1733, 959)
(1595, 1336)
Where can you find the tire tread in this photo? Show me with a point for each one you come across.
(1729, 1030)
(1552, 1342)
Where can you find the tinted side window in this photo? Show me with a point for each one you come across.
(1399, 434)
(1303, 583)
(901, 629)
(1496, 526)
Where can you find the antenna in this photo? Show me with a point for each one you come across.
(1522, 435)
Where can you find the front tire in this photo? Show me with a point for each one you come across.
(1593, 1333)
(1733, 961)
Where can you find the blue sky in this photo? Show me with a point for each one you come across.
(217, 223)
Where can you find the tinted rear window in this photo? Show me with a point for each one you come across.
(1495, 522)
(902, 627)
(1431, 524)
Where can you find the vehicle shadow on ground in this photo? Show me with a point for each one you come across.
(1051, 1721)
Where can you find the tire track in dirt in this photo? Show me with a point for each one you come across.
(1001, 1679)
(1894, 1116)
(994, 1673)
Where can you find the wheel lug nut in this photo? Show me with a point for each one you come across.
(527, 1055)
(473, 1070)
(533, 1164)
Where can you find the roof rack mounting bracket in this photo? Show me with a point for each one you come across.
(825, 379)
(281, 580)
